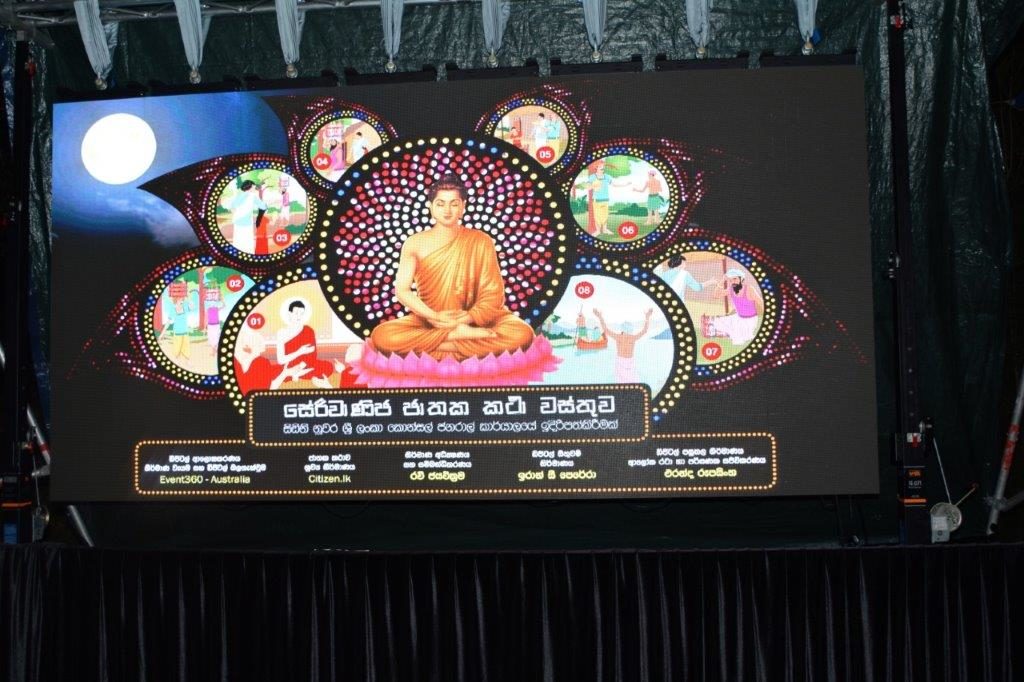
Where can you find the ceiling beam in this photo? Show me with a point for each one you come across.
(43, 13)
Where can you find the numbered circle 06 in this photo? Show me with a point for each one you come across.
(624, 199)
(261, 214)
(184, 315)
(616, 326)
(731, 302)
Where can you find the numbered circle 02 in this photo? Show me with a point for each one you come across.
(617, 325)
(730, 300)
(284, 335)
(338, 141)
(184, 315)
(260, 214)
(622, 201)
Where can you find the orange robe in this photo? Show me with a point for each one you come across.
(462, 275)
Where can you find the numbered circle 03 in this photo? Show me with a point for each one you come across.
(261, 212)
(620, 198)
(724, 299)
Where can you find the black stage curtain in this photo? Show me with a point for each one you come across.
(946, 613)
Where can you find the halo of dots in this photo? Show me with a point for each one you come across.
(679, 198)
(379, 204)
(312, 126)
(239, 314)
(212, 236)
(127, 318)
(769, 331)
(684, 338)
(572, 125)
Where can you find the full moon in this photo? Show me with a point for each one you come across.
(118, 148)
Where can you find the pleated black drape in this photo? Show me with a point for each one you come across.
(948, 613)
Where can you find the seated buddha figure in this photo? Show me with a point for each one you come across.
(457, 308)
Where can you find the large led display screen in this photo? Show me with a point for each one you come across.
(616, 285)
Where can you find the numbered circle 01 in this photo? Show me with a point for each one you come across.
(184, 314)
(730, 300)
(284, 335)
(260, 214)
(615, 324)
(622, 201)
(339, 140)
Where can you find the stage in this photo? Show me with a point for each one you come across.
(878, 613)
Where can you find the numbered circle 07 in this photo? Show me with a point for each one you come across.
(184, 314)
(624, 199)
(619, 324)
(259, 213)
(730, 298)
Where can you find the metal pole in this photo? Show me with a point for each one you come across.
(16, 483)
(911, 446)
(76, 519)
(998, 502)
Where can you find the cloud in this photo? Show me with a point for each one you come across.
(164, 223)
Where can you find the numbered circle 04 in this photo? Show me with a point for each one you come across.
(339, 144)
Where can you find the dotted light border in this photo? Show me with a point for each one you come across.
(313, 126)
(356, 315)
(489, 124)
(149, 335)
(322, 492)
(683, 334)
(232, 326)
(767, 332)
(212, 235)
(729, 488)
(454, 391)
(676, 196)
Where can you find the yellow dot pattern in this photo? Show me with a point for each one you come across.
(293, 251)
(769, 296)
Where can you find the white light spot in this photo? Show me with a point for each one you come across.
(118, 148)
